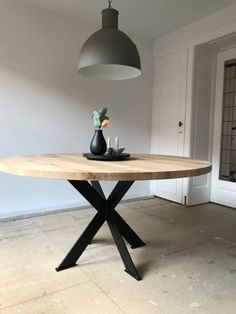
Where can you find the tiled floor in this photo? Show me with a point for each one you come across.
(188, 265)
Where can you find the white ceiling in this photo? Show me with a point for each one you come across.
(152, 18)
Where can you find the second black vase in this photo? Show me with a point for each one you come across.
(98, 145)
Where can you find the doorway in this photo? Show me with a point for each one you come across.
(223, 189)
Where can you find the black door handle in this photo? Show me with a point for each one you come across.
(180, 123)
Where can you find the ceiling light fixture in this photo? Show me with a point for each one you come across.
(109, 53)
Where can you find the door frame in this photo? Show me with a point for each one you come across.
(222, 192)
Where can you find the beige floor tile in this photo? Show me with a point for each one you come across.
(105, 268)
(198, 280)
(152, 201)
(188, 265)
(79, 214)
(27, 269)
(85, 298)
(210, 209)
(53, 222)
(64, 238)
(174, 213)
(64, 235)
(17, 228)
(198, 222)
(169, 237)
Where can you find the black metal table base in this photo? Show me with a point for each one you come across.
(93, 193)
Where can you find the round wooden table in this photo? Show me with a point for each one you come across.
(84, 175)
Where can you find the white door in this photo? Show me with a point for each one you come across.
(169, 118)
(224, 142)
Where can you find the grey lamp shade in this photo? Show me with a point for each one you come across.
(109, 53)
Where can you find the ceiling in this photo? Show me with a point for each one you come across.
(151, 18)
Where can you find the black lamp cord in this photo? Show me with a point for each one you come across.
(109, 4)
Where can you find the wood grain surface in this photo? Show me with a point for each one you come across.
(77, 167)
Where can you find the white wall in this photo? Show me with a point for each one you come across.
(45, 106)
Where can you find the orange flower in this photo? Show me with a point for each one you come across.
(105, 123)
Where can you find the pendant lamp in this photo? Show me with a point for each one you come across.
(109, 53)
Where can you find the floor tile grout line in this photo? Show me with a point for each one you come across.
(193, 247)
(185, 249)
(48, 294)
(107, 295)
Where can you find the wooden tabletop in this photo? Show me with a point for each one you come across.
(77, 167)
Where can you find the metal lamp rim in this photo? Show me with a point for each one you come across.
(134, 72)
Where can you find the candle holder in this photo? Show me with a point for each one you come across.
(115, 151)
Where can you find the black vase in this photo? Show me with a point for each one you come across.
(98, 145)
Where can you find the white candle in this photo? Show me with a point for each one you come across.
(108, 142)
(117, 142)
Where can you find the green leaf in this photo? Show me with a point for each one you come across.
(97, 125)
(103, 111)
(95, 114)
(102, 118)
(96, 122)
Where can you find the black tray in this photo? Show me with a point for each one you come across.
(123, 156)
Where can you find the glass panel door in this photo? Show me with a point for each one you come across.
(223, 187)
(228, 136)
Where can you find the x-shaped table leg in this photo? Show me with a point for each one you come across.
(105, 212)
